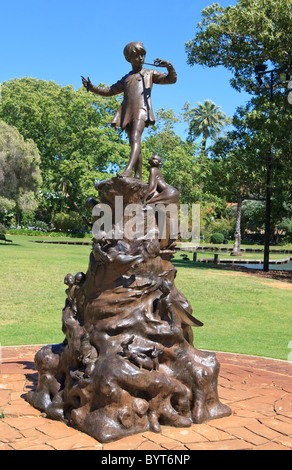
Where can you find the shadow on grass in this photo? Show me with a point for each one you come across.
(272, 274)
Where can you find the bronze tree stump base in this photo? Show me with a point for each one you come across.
(127, 363)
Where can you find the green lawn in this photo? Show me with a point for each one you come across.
(241, 313)
(32, 293)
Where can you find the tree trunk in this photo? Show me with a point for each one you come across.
(204, 146)
(203, 155)
(237, 235)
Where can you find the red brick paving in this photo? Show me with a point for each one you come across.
(258, 390)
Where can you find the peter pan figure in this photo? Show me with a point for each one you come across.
(135, 112)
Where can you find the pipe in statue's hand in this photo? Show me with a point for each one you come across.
(161, 63)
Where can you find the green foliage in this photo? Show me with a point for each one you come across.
(71, 130)
(72, 222)
(261, 130)
(2, 229)
(6, 210)
(285, 225)
(206, 120)
(217, 238)
(181, 164)
(77, 147)
(225, 225)
(242, 36)
(24, 231)
(30, 232)
(19, 172)
(41, 225)
(179, 160)
(253, 216)
(241, 154)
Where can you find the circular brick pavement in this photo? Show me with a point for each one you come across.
(258, 390)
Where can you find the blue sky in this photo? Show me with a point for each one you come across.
(62, 40)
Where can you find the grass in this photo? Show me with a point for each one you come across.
(241, 313)
(32, 290)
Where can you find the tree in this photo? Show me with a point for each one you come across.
(253, 215)
(20, 175)
(7, 207)
(72, 132)
(240, 37)
(242, 164)
(180, 160)
(206, 120)
(286, 226)
(181, 166)
(242, 156)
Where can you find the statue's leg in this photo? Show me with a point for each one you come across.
(138, 167)
(134, 132)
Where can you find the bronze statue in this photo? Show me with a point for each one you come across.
(135, 112)
(127, 363)
(171, 308)
(143, 358)
(159, 192)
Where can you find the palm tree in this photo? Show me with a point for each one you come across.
(205, 119)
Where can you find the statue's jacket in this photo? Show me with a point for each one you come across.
(137, 95)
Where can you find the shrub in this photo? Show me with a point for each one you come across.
(71, 223)
(205, 236)
(223, 225)
(2, 229)
(38, 233)
(286, 226)
(217, 238)
(41, 225)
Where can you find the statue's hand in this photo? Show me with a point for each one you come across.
(162, 63)
(100, 255)
(87, 83)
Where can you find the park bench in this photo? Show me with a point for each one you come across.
(4, 239)
(216, 259)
